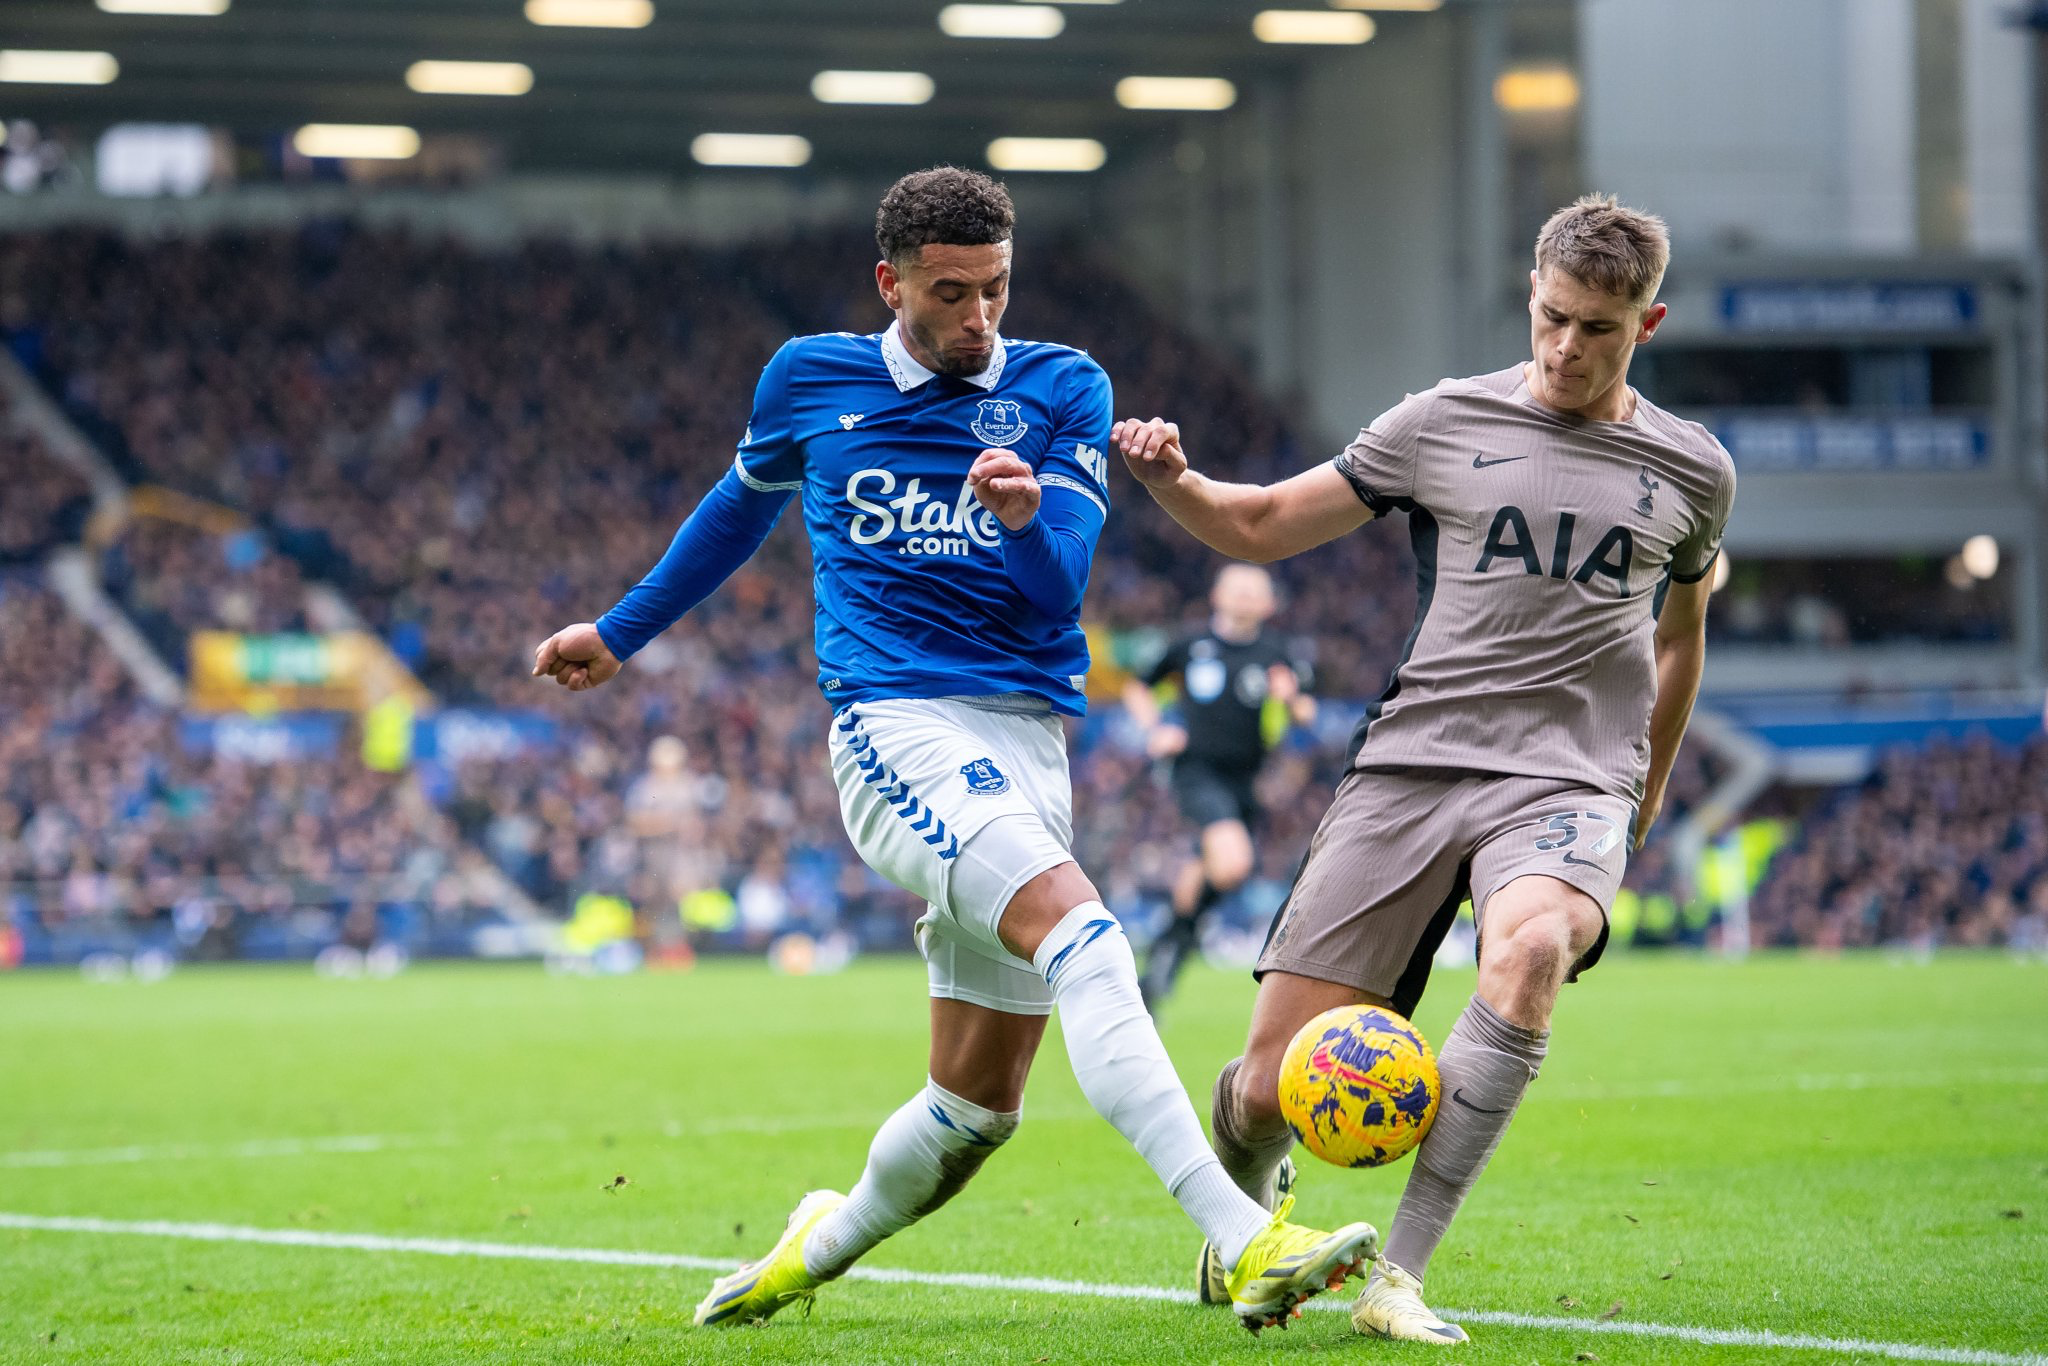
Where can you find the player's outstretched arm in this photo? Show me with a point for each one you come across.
(720, 536)
(1681, 657)
(1257, 522)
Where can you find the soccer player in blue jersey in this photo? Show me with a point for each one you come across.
(953, 486)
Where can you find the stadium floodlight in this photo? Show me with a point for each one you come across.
(202, 8)
(1536, 90)
(1402, 6)
(1046, 154)
(750, 149)
(1175, 92)
(1312, 26)
(590, 13)
(39, 66)
(1980, 557)
(871, 87)
(1001, 21)
(357, 141)
(469, 78)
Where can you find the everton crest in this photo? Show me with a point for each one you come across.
(984, 779)
(998, 422)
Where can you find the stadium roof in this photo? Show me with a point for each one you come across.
(634, 98)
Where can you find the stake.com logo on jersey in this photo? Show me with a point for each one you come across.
(930, 526)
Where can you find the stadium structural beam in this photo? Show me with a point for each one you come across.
(1752, 765)
(2035, 417)
(72, 576)
(70, 570)
(1484, 162)
(30, 409)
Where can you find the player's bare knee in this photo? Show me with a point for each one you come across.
(1534, 955)
(1571, 919)
(1539, 947)
(1040, 904)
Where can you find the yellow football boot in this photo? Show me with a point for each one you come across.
(758, 1289)
(1212, 1277)
(1287, 1264)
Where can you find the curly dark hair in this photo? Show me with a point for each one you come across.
(945, 205)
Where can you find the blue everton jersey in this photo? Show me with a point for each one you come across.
(909, 570)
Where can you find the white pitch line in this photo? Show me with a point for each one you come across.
(1743, 1337)
(459, 1247)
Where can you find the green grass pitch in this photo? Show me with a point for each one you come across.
(1848, 1149)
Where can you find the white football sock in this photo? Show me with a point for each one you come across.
(1125, 1073)
(921, 1157)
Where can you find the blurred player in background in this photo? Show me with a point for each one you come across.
(1231, 675)
(1564, 530)
(954, 484)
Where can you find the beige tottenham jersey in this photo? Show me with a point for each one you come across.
(1544, 547)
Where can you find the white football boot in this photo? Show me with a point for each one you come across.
(1391, 1306)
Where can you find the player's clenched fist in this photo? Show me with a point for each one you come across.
(1005, 485)
(576, 657)
(1151, 450)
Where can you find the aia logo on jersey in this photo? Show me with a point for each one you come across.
(984, 779)
(1509, 538)
(998, 422)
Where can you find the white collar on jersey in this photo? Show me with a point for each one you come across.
(908, 374)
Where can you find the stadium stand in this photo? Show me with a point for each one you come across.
(174, 579)
(1943, 845)
(47, 502)
(119, 830)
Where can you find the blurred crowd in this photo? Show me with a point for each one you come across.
(1942, 845)
(477, 447)
(174, 579)
(116, 827)
(46, 502)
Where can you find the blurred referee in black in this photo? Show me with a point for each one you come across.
(1227, 675)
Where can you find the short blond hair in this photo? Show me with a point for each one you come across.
(1600, 243)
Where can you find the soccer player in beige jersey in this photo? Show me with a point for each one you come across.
(1564, 529)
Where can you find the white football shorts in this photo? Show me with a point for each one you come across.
(920, 781)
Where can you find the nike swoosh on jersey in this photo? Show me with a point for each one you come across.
(1458, 1095)
(1582, 862)
(1480, 462)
